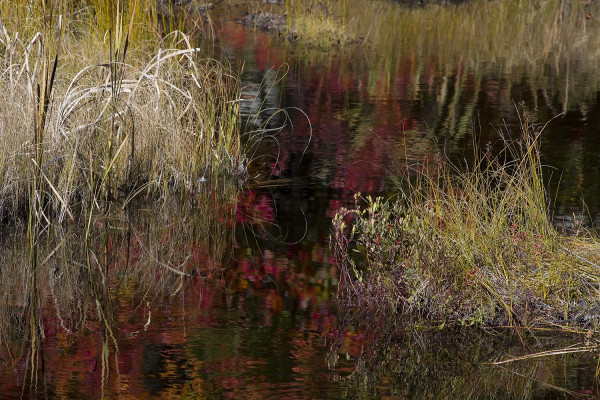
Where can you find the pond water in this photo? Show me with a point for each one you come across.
(260, 327)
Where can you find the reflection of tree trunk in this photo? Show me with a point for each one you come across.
(566, 102)
(464, 121)
(441, 100)
(443, 89)
(551, 38)
(417, 83)
(449, 124)
(34, 352)
(455, 114)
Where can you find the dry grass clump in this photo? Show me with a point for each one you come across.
(473, 246)
(95, 110)
(320, 31)
(313, 29)
(113, 120)
(314, 24)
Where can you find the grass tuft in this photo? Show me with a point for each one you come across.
(121, 117)
(472, 246)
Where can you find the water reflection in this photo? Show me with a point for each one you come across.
(370, 117)
(96, 287)
(374, 117)
(261, 100)
(155, 313)
(473, 365)
(177, 308)
(179, 325)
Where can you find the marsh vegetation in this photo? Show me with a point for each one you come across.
(167, 225)
(107, 107)
(469, 245)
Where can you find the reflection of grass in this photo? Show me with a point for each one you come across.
(138, 257)
(445, 364)
(470, 247)
(510, 31)
(555, 47)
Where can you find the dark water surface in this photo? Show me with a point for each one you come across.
(260, 328)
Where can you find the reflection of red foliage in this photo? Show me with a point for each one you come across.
(322, 96)
(255, 208)
(296, 280)
(360, 112)
(258, 47)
